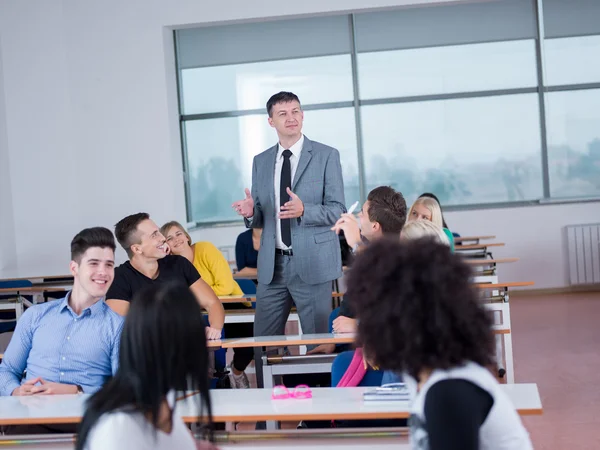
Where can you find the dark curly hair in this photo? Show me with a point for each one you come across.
(416, 308)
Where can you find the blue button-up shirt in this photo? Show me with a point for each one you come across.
(54, 343)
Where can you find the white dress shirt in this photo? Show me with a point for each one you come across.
(296, 149)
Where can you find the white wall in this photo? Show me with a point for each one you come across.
(91, 112)
(92, 129)
(8, 249)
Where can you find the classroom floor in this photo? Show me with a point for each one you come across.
(556, 342)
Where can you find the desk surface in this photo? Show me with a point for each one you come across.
(473, 238)
(20, 276)
(237, 276)
(478, 246)
(281, 341)
(248, 405)
(504, 285)
(488, 262)
(252, 297)
(30, 290)
(237, 298)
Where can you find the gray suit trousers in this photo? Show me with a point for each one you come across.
(275, 300)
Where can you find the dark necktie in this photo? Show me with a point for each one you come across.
(286, 182)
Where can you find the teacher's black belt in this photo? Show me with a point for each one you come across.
(279, 251)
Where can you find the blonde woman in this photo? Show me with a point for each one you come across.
(416, 229)
(427, 208)
(214, 270)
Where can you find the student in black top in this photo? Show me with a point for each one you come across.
(150, 264)
(246, 252)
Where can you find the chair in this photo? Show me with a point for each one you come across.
(8, 311)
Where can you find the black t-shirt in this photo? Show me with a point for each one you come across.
(245, 254)
(454, 411)
(171, 268)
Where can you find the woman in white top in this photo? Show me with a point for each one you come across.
(162, 355)
(419, 315)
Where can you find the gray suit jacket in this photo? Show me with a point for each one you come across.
(319, 184)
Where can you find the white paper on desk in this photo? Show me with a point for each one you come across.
(387, 392)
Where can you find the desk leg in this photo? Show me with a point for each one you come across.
(508, 354)
(268, 383)
(258, 366)
(508, 350)
(500, 370)
(19, 307)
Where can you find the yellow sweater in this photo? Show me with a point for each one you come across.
(214, 269)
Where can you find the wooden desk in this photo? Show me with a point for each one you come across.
(474, 239)
(282, 341)
(488, 266)
(29, 290)
(497, 286)
(478, 246)
(216, 344)
(489, 262)
(17, 304)
(14, 276)
(252, 297)
(248, 315)
(237, 276)
(244, 298)
(248, 405)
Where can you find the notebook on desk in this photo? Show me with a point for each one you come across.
(387, 392)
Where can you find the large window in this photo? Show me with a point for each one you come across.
(442, 98)
(467, 151)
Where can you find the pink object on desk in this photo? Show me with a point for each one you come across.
(302, 391)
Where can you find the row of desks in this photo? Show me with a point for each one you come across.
(249, 405)
(226, 298)
(48, 283)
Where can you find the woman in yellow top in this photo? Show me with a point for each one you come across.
(214, 270)
(206, 258)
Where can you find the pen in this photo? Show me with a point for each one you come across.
(353, 207)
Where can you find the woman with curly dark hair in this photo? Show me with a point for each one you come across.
(419, 316)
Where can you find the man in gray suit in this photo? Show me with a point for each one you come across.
(297, 196)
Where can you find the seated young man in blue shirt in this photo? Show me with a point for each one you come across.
(71, 345)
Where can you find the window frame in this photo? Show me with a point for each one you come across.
(541, 89)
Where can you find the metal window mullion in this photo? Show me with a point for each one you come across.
(541, 70)
(182, 136)
(357, 113)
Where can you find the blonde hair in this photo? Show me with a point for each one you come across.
(433, 207)
(416, 229)
(173, 223)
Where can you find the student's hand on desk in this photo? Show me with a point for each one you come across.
(49, 388)
(344, 324)
(26, 388)
(213, 334)
(292, 209)
(245, 208)
(45, 388)
(348, 224)
(325, 349)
